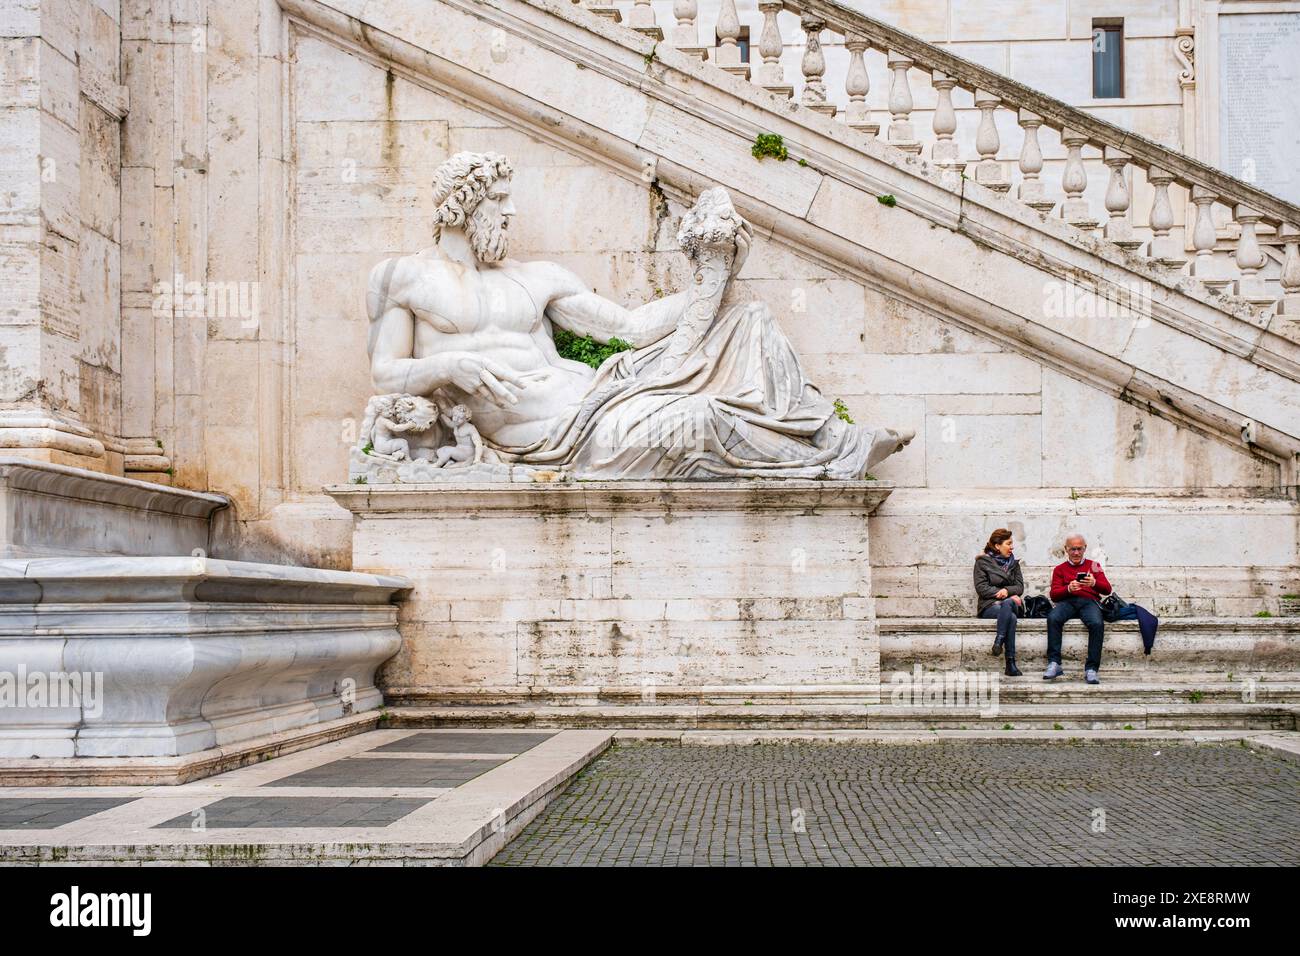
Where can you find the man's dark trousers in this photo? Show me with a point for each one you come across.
(1087, 611)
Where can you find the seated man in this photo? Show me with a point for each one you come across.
(1078, 584)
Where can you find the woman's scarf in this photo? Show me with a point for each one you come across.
(1003, 563)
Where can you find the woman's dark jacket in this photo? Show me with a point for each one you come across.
(990, 579)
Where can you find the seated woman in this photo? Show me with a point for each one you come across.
(1000, 588)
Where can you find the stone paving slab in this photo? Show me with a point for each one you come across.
(1103, 801)
(273, 812)
(24, 813)
(390, 772)
(357, 807)
(490, 742)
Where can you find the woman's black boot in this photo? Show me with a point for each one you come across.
(997, 645)
(1012, 669)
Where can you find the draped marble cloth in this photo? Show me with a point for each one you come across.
(738, 404)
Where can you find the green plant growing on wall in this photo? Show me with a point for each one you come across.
(368, 448)
(887, 200)
(769, 144)
(842, 411)
(585, 349)
(650, 57)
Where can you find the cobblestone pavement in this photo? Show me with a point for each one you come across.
(978, 803)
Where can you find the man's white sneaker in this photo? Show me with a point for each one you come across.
(1091, 676)
(1054, 670)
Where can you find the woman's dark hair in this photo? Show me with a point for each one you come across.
(996, 538)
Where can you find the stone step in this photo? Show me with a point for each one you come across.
(1101, 714)
(1029, 689)
(1221, 646)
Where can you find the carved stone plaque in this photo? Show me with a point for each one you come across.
(1259, 100)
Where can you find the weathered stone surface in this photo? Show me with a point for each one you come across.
(173, 656)
(51, 510)
(632, 585)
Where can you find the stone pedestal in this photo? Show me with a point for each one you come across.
(589, 592)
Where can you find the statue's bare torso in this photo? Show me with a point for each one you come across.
(497, 311)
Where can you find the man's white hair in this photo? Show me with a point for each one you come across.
(460, 184)
(1074, 534)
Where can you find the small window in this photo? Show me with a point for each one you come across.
(1107, 59)
(743, 42)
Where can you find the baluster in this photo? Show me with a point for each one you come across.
(1163, 248)
(988, 171)
(858, 85)
(902, 134)
(944, 151)
(1118, 228)
(686, 35)
(1074, 180)
(1250, 258)
(728, 52)
(771, 75)
(1032, 192)
(1289, 304)
(641, 18)
(1204, 236)
(813, 66)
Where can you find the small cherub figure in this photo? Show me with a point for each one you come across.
(469, 446)
(388, 416)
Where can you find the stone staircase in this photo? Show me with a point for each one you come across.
(922, 78)
(1017, 713)
(1187, 649)
(1216, 673)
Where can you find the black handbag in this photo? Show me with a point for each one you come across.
(1037, 606)
(1112, 606)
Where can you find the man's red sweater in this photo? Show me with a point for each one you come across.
(1065, 572)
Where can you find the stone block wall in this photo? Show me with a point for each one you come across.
(61, 232)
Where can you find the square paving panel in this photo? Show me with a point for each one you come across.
(461, 743)
(46, 813)
(389, 772)
(263, 812)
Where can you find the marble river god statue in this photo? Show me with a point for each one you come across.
(711, 388)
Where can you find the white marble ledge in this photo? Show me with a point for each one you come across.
(608, 497)
(189, 579)
(1071, 501)
(23, 475)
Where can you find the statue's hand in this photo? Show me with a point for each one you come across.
(485, 378)
(744, 239)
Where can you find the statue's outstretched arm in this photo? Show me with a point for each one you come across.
(575, 308)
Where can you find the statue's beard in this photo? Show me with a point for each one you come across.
(487, 238)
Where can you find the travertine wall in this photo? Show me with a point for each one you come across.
(273, 168)
(60, 232)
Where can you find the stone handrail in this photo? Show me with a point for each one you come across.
(1226, 260)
